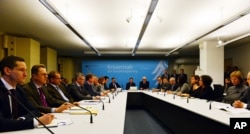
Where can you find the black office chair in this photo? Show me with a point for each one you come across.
(218, 92)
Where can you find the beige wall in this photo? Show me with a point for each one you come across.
(66, 67)
(48, 57)
(240, 56)
(28, 49)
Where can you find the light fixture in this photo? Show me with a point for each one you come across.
(229, 21)
(219, 41)
(66, 23)
(233, 40)
(128, 19)
(151, 9)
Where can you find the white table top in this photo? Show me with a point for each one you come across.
(201, 107)
(112, 119)
(109, 121)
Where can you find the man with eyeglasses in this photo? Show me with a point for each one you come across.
(13, 115)
(38, 95)
(57, 90)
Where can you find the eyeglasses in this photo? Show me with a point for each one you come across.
(44, 74)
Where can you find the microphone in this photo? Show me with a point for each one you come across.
(108, 97)
(210, 105)
(32, 114)
(102, 104)
(91, 117)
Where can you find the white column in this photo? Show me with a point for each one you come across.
(212, 61)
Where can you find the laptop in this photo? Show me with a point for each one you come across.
(133, 88)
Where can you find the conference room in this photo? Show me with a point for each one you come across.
(124, 39)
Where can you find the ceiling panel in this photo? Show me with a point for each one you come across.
(113, 26)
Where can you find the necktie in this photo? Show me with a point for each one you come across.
(62, 94)
(42, 97)
(14, 104)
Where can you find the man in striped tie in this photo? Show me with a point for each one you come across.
(38, 95)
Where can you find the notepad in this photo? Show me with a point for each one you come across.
(78, 111)
(90, 102)
(228, 108)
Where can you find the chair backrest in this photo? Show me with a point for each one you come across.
(218, 92)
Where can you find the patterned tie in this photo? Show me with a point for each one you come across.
(42, 97)
(14, 104)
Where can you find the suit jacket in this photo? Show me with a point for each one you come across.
(246, 98)
(54, 93)
(34, 98)
(129, 84)
(78, 93)
(173, 87)
(6, 121)
(111, 85)
(144, 85)
(89, 88)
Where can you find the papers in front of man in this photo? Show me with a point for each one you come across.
(78, 110)
(228, 108)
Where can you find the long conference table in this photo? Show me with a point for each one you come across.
(179, 114)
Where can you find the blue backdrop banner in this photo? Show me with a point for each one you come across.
(122, 70)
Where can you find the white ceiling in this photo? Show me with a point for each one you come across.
(103, 24)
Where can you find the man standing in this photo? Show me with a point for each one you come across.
(14, 116)
(38, 95)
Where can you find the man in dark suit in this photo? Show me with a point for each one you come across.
(57, 90)
(182, 74)
(144, 84)
(12, 115)
(106, 81)
(130, 83)
(175, 75)
(113, 85)
(88, 85)
(173, 84)
(77, 90)
(38, 95)
(165, 74)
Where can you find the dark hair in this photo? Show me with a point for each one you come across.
(196, 77)
(101, 79)
(35, 68)
(52, 74)
(10, 62)
(88, 76)
(207, 80)
(106, 77)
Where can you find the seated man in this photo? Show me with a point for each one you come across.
(77, 90)
(89, 86)
(14, 116)
(38, 95)
(113, 85)
(144, 84)
(130, 83)
(56, 90)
